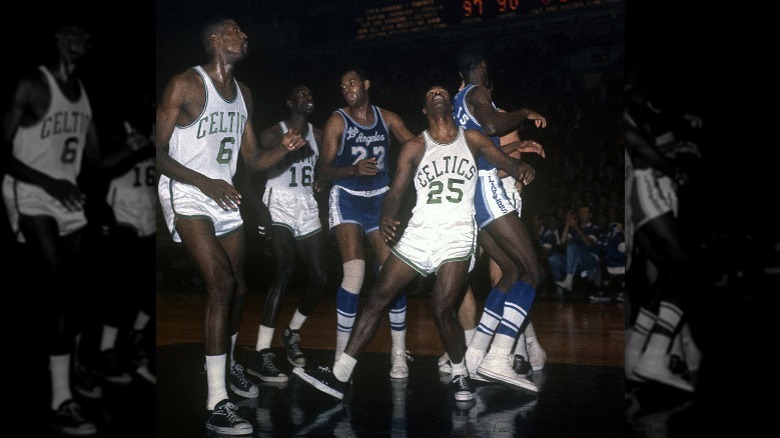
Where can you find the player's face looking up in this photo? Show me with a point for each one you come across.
(302, 100)
(437, 98)
(233, 39)
(72, 42)
(352, 87)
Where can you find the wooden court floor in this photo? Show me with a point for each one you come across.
(581, 388)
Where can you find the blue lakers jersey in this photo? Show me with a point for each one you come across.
(360, 142)
(464, 118)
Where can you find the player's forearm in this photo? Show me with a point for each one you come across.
(131, 160)
(329, 172)
(264, 159)
(176, 171)
(23, 172)
(390, 205)
(500, 123)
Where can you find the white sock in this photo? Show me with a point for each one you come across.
(141, 320)
(669, 316)
(459, 369)
(469, 333)
(502, 342)
(108, 338)
(59, 366)
(297, 320)
(342, 338)
(232, 348)
(343, 367)
(657, 345)
(264, 337)
(215, 376)
(480, 341)
(399, 340)
(640, 331)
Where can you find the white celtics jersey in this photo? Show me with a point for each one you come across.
(55, 144)
(445, 182)
(133, 198)
(211, 144)
(295, 173)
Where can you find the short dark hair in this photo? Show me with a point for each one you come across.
(72, 29)
(292, 91)
(210, 28)
(469, 57)
(359, 70)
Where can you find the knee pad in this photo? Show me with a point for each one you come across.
(354, 273)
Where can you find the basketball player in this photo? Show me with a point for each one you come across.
(653, 232)
(48, 130)
(296, 231)
(121, 235)
(442, 163)
(353, 158)
(529, 355)
(204, 122)
(503, 236)
(132, 196)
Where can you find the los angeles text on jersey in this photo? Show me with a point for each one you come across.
(462, 166)
(368, 139)
(221, 122)
(68, 122)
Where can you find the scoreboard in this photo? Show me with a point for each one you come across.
(383, 18)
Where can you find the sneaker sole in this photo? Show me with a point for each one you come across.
(465, 405)
(399, 375)
(648, 374)
(70, 431)
(464, 397)
(121, 381)
(147, 375)
(242, 430)
(523, 384)
(277, 379)
(317, 384)
(96, 394)
(478, 378)
(252, 393)
(298, 363)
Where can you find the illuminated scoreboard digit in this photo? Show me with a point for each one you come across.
(477, 7)
(489, 9)
(383, 19)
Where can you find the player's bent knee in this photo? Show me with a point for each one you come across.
(354, 273)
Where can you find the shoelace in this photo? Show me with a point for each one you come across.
(323, 369)
(238, 373)
(295, 339)
(462, 383)
(404, 354)
(268, 363)
(230, 413)
(74, 411)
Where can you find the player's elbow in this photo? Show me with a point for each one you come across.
(490, 129)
